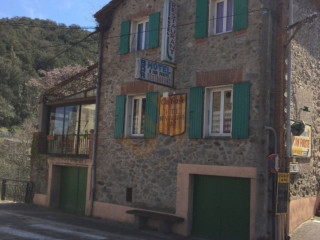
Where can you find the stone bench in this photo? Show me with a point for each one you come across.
(165, 220)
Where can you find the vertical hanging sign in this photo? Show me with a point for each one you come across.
(282, 193)
(169, 29)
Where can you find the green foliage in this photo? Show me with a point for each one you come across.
(28, 46)
(14, 129)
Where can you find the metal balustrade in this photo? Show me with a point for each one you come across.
(16, 190)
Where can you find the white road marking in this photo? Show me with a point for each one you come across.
(316, 221)
(25, 234)
(67, 231)
(43, 220)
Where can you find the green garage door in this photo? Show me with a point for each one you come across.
(221, 208)
(73, 187)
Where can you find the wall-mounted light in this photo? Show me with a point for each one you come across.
(297, 128)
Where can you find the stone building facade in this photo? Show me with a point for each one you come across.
(304, 187)
(161, 171)
(183, 125)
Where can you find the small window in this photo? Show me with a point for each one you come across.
(221, 16)
(140, 35)
(136, 106)
(218, 112)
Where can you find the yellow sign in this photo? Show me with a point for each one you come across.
(283, 178)
(301, 145)
(282, 193)
(172, 119)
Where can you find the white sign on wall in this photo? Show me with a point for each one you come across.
(301, 145)
(154, 72)
(294, 167)
(169, 29)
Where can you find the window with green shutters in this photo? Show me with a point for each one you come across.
(125, 37)
(195, 112)
(219, 111)
(220, 16)
(154, 21)
(119, 116)
(140, 34)
(201, 25)
(240, 19)
(241, 108)
(150, 121)
(136, 115)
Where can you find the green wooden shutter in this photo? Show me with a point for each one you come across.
(150, 119)
(240, 112)
(201, 26)
(125, 37)
(119, 116)
(240, 12)
(195, 112)
(154, 24)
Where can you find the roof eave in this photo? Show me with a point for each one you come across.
(104, 15)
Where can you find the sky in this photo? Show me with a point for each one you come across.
(69, 12)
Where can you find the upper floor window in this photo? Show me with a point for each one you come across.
(140, 34)
(220, 111)
(221, 16)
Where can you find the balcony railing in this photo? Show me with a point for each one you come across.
(16, 190)
(71, 144)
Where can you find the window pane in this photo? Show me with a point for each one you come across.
(146, 36)
(86, 125)
(135, 117)
(219, 20)
(71, 129)
(55, 130)
(140, 36)
(229, 15)
(227, 115)
(216, 100)
(143, 115)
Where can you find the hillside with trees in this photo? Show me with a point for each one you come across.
(28, 50)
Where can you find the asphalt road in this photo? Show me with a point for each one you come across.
(22, 221)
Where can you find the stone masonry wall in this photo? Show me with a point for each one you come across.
(306, 92)
(149, 166)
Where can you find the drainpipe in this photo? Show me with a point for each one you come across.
(289, 74)
(288, 140)
(274, 187)
(96, 122)
(274, 136)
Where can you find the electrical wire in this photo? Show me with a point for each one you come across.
(117, 36)
(83, 28)
(51, 26)
(41, 48)
(264, 10)
(72, 45)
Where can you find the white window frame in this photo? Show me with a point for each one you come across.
(129, 115)
(213, 16)
(208, 111)
(134, 34)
